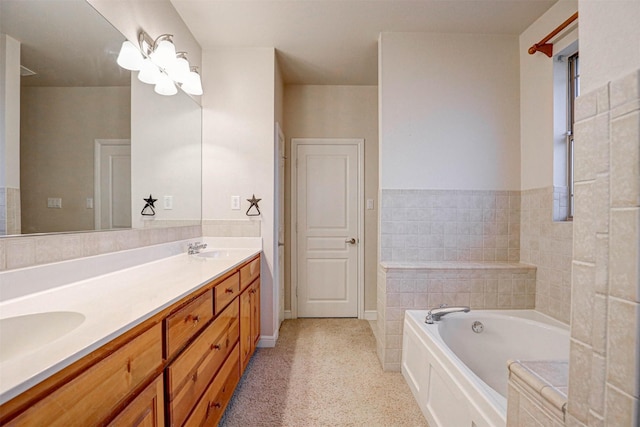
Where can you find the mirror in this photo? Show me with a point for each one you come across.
(94, 141)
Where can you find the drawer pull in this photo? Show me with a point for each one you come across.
(193, 319)
(229, 290)
(215, 405)
(215, 346)
(195, 377)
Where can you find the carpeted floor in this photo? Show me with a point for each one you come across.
(322, 372)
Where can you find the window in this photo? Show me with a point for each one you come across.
(573, 85)
(566, 81)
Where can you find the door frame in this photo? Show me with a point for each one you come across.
(97, 145)
(295, 143)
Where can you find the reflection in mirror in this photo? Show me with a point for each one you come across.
(75, 154)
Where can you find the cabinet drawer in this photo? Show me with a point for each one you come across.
(215, 399)
(188, 376)
(249, 272)
(187, 321)
(226, 291)
(93, 396)
(147, 409)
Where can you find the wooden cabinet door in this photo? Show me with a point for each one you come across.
(146, 410)
(255, 313)
(245, 327)
(92, 397)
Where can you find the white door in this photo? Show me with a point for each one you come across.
(113, 184)
(327, 215)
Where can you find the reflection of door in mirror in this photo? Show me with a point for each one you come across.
(112, 183)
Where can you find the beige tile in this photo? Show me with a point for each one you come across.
(20, 252)
(72, 246)
(625, 161)
(584, 224)
(592, 137)
(599, 324)
(597, 384)
(586, 106)
(625, 89)
(622, 410)
(49, 249)
(571, 421)
(602, 263)
(595, 420)
(601, 203)
(624, 254)
(579, 380)
(582, 296)
(603, 98)
(513, 406)
(3, 261)
(623, 345)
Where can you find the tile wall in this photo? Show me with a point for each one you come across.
(26, 251)
(450, 225)
(548, 245)
(10, 222)
(604, 369)
(413, 287)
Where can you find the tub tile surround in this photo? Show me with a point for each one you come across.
(29, 250)
(413, 285)
(548, 245)
(605, 300)
(537, 393)
(450, 225)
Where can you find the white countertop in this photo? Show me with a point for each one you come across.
(111, 303)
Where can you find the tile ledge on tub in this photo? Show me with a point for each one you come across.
(548, 378)
(454, 265)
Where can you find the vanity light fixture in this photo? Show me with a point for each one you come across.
(159, 64)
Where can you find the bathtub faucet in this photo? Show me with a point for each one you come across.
(436, 314)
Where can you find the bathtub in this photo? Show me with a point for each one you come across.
(459, 377)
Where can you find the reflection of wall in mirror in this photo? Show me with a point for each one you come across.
(58, 128)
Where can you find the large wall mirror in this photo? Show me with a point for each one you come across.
(94, 141)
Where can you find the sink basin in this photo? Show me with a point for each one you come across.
(218, 254)
(21, 334)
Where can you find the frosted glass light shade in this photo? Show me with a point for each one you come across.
(149, 72)
(129, 57)
(179, 70)
(165, 86)
(164, 53)
(192, 85)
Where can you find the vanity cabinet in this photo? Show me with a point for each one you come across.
(96, 392)
(180, 367)
(250, 321)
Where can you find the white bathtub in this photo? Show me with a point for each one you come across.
(459, 377)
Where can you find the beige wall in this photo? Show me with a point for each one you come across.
(338, 112)
(58, 129)
(449, 111)
(238, 150)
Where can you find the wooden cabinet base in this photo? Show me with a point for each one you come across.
(146, 410)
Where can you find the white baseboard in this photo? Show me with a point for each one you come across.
(368, 315)
(268, 341)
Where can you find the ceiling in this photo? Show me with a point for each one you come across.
(65, 42)
(334, 42)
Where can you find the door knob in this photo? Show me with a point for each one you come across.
(351, 241)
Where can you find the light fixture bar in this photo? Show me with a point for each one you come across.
(159, 64)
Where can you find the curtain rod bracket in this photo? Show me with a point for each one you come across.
(543, 45)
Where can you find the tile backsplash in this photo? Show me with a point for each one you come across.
(450, 225)
(28, 250)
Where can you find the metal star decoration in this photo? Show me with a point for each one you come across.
(149, 204)
(254, 203)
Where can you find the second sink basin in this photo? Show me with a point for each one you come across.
(21, 334)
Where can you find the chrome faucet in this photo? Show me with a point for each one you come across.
(436, 314)
(194, 248)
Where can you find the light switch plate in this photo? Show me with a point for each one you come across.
(89, 202)
(54, 202)
(168, 202)
(235, 203)
(369, 204)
